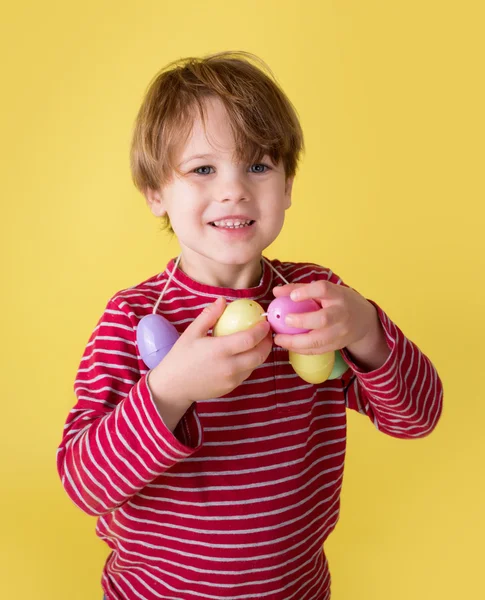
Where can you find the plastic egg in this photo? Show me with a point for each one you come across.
(238, 316)
(284, 305)
(339, 367)
(155, 337)
(313, 368)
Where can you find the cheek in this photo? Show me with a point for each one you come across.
(273, 190)
(279, 203)
(183, 195)
(193, 191)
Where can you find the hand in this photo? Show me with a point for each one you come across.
(346, 320)
(199, 367)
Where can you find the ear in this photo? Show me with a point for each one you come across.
(155, 202)
(288, 190)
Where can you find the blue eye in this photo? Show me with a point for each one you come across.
(259, 168)
(205, 170)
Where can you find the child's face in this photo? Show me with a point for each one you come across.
(214, 188)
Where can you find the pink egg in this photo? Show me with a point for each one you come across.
(284, 305)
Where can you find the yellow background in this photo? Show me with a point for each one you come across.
(390, 195)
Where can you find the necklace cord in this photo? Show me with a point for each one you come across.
(170, 277)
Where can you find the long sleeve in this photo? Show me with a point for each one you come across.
(115, 441)
(404, 397)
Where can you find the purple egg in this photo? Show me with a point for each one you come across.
(155, 337)
(284, 305)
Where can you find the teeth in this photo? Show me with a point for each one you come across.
(232, 223)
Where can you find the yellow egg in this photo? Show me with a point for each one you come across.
(313, 368)
(238, 316)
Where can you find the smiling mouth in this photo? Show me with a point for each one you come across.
(232, 223)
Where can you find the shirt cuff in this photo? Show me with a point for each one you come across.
(173, 446)
(386, 371)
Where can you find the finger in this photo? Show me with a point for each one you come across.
(242, 341)
(285, 290)
(248, 361)
(308, 343)
(316, 319)
(207, 319)
(316, 290)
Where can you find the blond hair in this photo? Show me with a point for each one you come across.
(262, 118)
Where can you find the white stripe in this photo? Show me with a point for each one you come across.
(233, 531)
(230, 533)
(154, 297)
(111, 324)
(275, 436)
(100, 401)
(176, 453)
(106, 388)
(279, 511)
(208, 295)
(118, 539)
(313, 559)
(245, 397)
(246, 486)
(250, 501)
(291, 418)
(122, 493)
(109, 462)
(121, 458)
(258, 469)
(103, 376)
(271, 407)
(112, 366)
(137, 455)
(105, 350)
(110, 338)
(73, 486)
(80, 479)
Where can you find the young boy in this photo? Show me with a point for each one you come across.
(217, 474)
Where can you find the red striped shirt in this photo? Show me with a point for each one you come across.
(238, 501)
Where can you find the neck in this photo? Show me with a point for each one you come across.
(210, 272)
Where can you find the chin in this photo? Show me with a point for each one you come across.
(237, 258)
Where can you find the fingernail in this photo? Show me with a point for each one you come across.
(294, 295)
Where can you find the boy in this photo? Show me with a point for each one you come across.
(217, 474)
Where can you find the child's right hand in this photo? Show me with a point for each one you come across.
(199, 367)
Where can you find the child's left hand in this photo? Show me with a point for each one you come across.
(346, 320)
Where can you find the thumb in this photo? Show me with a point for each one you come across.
(207, 318)
(285, 290)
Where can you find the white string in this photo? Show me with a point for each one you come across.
(155, 308)
(169, 279)
(277, 272)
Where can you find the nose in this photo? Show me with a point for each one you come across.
(232, 188)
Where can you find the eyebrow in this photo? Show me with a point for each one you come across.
(211, 156)
(196, 156)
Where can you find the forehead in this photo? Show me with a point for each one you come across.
(211, 134)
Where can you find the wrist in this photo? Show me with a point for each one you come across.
(164, 383)
(168, 398)
(372, 351)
